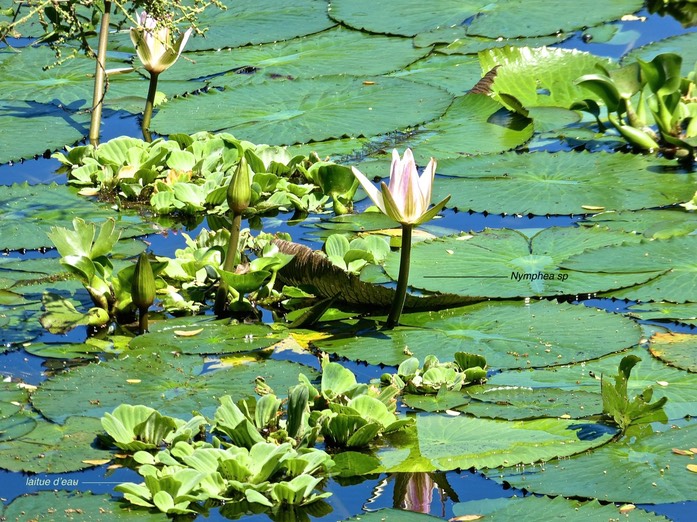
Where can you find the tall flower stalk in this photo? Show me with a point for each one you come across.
(406, 200)
(239, 195)
(157, 53)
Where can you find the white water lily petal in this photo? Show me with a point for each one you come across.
(373, 193)
(153, 44)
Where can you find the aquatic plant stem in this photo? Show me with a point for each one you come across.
(100, 76)
(229, 264)
(403, 278)
(149, 104)
(142, 320)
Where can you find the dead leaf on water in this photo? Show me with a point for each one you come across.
(466, 518)
(96, 462)
(187, 333)
(692, 468)
(686, 453)
(133, 381)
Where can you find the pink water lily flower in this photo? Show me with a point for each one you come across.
(408, 196)
(153, 45)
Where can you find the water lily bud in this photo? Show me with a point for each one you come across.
(239, 192)
(143, 284)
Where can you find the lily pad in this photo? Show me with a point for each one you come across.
(473, 124)
(259, 21)
(508, 334)
(53, 448)
(683, 313)
(683, 44)
(74, 505)
(542, 76)
(296, 111)
(675, 256)
(335, 51)
(561, 183)
(506, 18)
(678, 386)
(533, 509)
(507, 263)
(28, 212)
(26, 120)
(655, 223)
(676, 349)
(442, 442)
(174, 386)
(517, 403)
(657, 474)
(457, 74)
(456, 40)
(205, 336)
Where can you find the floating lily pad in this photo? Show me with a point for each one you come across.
(28, 212)
(561, 183)
(443, 442)
(74, 505)
(14, 422)
(23, 121)
(682, 313)
(53, 448)
(205, 336)
(174, 386)
(657, 474)
(259, 21)
(679, 386)
(684, 45)
(676, 349)
(456, 40)
(457, 74)
(473, 124)
(533, 509)
(541, 76)
(506, 19)
(64, 350)
(516, 403)
(655, 223)
(509, 335)
(296, 111)
(335, 51)
(675, 256)
(507, 263)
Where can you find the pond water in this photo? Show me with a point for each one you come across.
(358, 495)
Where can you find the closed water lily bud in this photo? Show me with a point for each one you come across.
(239, 192)
(143, 284)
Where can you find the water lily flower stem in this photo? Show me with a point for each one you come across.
(99, 76)
(402, 279)
(229, 264)
(149, 105)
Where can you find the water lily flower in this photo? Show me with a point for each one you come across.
(406, 200)
(153, 45)
(408, 196)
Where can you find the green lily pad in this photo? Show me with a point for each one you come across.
(296, 111)
(678, 386)
(456, 40)
(206, 336)
(456, 73)
(26, 120)
(561, 183)
(516, 403)
(506, 18)
(507, 263)
(543, 76)
(675, 256)
(676, 349)
(174, 386)
(74, 505)
(335, 51)
(443, 442)
(683, 44)
(533, 509)
(473, 124)
(682, 313)
(641, 468)
(53, 448)
(508, 334)
(28, 212)
(259, 21)
(64, 350)
(655, 223)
